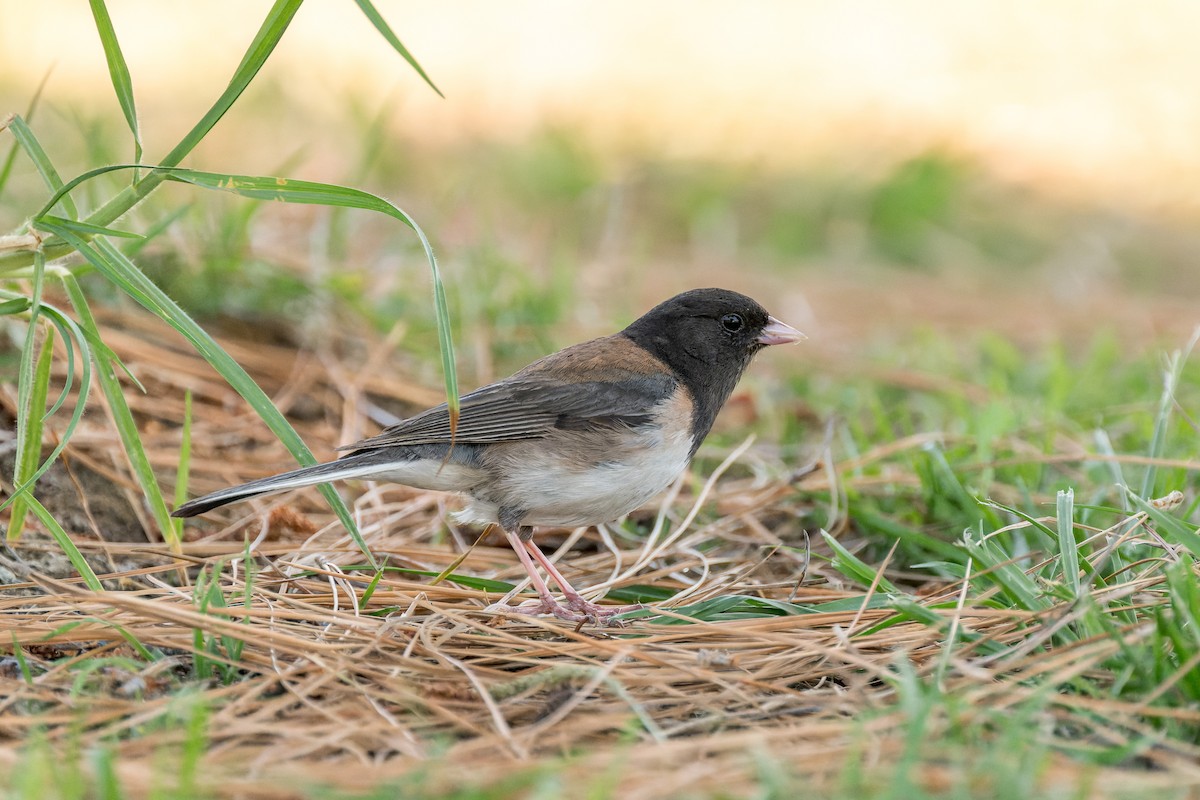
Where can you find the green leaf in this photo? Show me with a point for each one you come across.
(118, 70)
(1037, 525)
(855, 568)
(385, 30)
(482, 584)
(845, 604)
(1166, 404)
(640, 593)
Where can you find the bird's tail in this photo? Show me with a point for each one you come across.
(353, 466)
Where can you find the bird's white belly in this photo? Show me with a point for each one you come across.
(555, 493)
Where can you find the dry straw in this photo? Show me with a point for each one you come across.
(417, 680)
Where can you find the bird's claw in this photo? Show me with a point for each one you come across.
(576, 609)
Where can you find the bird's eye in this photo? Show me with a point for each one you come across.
(732, 322)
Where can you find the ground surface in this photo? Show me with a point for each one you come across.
(766, 668)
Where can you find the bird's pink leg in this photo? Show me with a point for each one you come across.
(575, 601)
(548, 604)
(577, 608)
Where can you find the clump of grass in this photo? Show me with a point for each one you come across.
(58, 229)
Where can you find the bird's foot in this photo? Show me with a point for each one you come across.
(576, 609)
(578, 604)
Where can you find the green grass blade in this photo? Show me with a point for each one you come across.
(28, 423)
(370, 590)
(1170, 527)
(33, 148)
(292, 191)
(185, 459)
(29, 428)
(1034, 523)
(1166, 403)
(17, 305)
(69, 360)
(260, 49)
(268, 36)
(122, 272)
(855, 568)
(469, 581)
(118, 70)
(998, 568)
(156, 229)
(1068, 547)
(70, 332)
(63, 540)
(385, 30)
(61, 190)
(88, 229)
(126, 425)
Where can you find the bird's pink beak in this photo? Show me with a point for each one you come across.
(778, 332)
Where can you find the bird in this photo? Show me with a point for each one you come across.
(579, 437)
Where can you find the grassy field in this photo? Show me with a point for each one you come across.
(945, 549)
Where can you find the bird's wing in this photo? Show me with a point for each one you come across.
(530, 407)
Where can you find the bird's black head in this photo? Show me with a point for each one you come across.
(708, 337)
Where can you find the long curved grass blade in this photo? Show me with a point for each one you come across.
(309, 192)
(265, 40)
(118, 70)
(855, 568)
(268, 36)
(29, 419)
(385, 30)
(121, 271)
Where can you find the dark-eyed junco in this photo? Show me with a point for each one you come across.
(580, 437)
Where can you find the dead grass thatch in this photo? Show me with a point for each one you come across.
(420, 681)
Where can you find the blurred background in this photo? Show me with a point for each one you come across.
(866, 168)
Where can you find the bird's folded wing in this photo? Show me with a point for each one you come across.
(529, 408)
